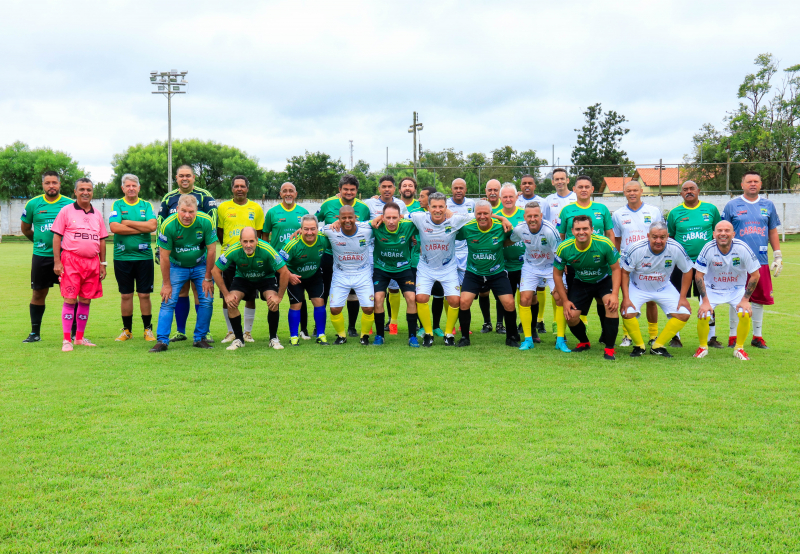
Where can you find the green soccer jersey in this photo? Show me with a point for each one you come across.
(187, 243)
(281, 223)
(329, 212)
(598, 213)
(304, 259)
(484, 248)
(132, 247)
(393, 249)
(693, 227)
(591, 265)
(263, 264)
(415, 207)
(40, 214)
(514, 254)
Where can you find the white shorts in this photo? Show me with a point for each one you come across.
(361, 283)
(530, 280)
(731, 297)
(666, 298)
(447, 277)
(462, 266)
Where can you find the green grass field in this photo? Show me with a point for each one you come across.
(354, 449)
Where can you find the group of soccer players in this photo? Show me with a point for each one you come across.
(438, 254)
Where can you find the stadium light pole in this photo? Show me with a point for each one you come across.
(166, 83)
(415, 128)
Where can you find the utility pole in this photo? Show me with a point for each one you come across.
(415, 128)
(351, 154)
(728, 170)
(168, 85)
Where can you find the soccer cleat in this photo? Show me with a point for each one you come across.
(294, 341)
(702, 352)
(740, 354)
(438, 332)
(535, 337)
(608, 354)
(377, 342)
(561, 344)
(351, 332)
(85, 342)
(158, 347)
(527, 344)
(339, 340)
(209, 338)
(759, 342)
(449, 340)
(393, 328)
(275, 343)
(248, 337)
(583, 346)
(714, 343)
(230, 337)
(512, 341)
(676, 342)
(660, 352)
(66, 346)
(421, 332)
(303, 335)
(626, 341)
(413, 342)
(500, 329)
(235, 345)
(427, 341)
(463, 342)
(177, 337)
(33, 337)
(487, 328)
(519, 329)
(650, 342)
(637, 352)
(386, 327)
(540, 328)
(364, 341)
(123, 336)
(149, 336)
(202, 344)
(322, 340)
(732, 341)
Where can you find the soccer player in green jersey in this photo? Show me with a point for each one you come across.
(187, 245)
(595, 262)
(132, 220)
(692, 224)
(256, 264)
(514, 253)
(408, 192)
(37, 218)
(303, 257)
(492, 190)
(602, 223)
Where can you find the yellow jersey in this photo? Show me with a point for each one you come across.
(232, 218)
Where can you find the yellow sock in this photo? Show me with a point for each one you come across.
(394, 302)
(561, 322)
(703, 329)
(742, 329)
(424, 313)
(584, 319)
(652, 329)
(452, 317)
(632, 327)
(337, 320)
(540, 296)
(526, 317)
(674, 325)
(556, 308)
(366, 323)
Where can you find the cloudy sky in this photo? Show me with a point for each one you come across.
(278, 78)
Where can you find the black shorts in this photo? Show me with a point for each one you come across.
(676, 279)
(437, 291)
(42, 274)
(314, 286)
(514, 277)
(134, 272)
(406, 279)
(581, 294)
(227, 278)
(497, 283)
(253, 289)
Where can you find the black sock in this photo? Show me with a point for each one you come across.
(236, 325)
(127, 322)
(483, 302)
(464, 319)
(579, 331)
(147, 321)
(352, 313)
(500, 311)
(380, 320)
(304, 316)
(37, 312)
(511, 324)
(601, 315)
(411, 321)
(273, 319)
(437, 307)
(75, 321)
(610, 331)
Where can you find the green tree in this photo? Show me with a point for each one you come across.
(315, 174)
(598, 144)
(21, 170)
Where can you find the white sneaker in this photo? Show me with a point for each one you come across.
(229, 337)
(248, 337)
(626, 341)
(303, 336)
(276, 344)
(235, 345)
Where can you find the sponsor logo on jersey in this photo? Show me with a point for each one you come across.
(626, 221)
(162, 237)
(112, 214)
(646, 264)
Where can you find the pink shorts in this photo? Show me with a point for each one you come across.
(763, 293)
(80, 277)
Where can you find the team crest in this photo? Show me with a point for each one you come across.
(764, 212)
(259, 263)
(737, 261)
(142, 213)
(362, 242)
(667, 263)
(544, 241)
(251, 215)
(648, 219)
(494, 240)
(596, 258)
(199, 234)
(447, 229)
(706, 217)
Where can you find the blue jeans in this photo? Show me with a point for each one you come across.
(178, 276)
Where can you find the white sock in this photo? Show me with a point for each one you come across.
(758, 318)
(227, 320)
(733, 321)
(249, 317)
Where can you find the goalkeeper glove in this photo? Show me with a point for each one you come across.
(777, 263)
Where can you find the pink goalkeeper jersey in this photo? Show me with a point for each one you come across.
(80, 231)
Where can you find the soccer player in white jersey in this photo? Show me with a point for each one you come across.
(555, 203)
(527, 187)
(460, 204)
(541, 239)
(352, 269)
(438, 262)
(721, 276)
(631, 225)
(647, 266)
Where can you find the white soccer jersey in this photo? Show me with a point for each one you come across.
(350, 252)
(556, 203)
(465, 208)
(521, 201)
(376, 205)
(540, 248)
(726, 271)
(437, 242)
(650, 271)
(631, 226)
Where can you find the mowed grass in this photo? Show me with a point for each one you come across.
(354, 449)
